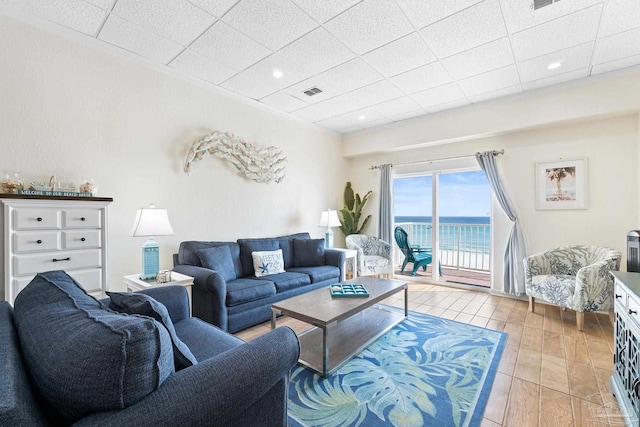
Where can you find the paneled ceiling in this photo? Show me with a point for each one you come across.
(374, 61)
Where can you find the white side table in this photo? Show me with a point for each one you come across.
(349, 254)
(135, 283)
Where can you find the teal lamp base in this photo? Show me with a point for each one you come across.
(150, 259)
(328, 238)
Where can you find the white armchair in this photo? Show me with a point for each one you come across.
(374, 255)
(575, 277)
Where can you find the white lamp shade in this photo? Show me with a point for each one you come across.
(151, 222)
(329, 218)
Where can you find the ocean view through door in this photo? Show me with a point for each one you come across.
(461, 203)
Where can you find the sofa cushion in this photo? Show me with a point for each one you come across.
(137, 303)
(308, 252)
(286, 244)
(287, 280)
(245, 290)
(319, 273)
(248, 246)
(218, 258)
(83, 357)
(266, 263)
(205, 340)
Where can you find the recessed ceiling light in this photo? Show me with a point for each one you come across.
(554, 65)
(277, 73)
(362, 117)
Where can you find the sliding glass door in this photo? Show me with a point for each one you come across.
(446, 214)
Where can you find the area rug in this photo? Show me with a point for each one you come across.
(426, 371)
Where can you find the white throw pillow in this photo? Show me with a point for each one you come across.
(267, 262)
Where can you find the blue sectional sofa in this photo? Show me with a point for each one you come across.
(69, 359)
(228, 294)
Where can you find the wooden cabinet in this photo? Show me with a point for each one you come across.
(62, 233)
(625, 381)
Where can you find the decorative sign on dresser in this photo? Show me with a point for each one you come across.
(54, 233)
(625, 381)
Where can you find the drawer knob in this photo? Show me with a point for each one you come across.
(39, 219)
(38, 241)
(61, 259)
(632, 311)
(82, 239)
(83, 219)
(618, 296)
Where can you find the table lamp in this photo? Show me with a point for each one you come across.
(151, 222)
(329, 218)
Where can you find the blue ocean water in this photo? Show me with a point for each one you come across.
(468, 233)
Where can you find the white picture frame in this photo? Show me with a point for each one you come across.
(561, 184)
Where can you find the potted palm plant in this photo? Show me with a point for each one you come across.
(352, 211)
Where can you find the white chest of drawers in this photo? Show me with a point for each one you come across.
(54, 234)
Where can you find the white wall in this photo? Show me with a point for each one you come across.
(611, 147)
(75, 110)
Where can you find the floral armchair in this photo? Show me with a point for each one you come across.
(575, 277)
(374, 255)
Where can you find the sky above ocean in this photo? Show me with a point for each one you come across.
(461, 194)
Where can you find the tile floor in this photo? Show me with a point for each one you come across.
(549, 374)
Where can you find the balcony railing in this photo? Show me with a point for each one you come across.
(461, 246)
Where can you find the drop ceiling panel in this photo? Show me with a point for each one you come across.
(422, 78)
(571, 30)
(399, 106)
(324, 10)
(214, 7)
(474, 26)
(376, 93)
(617, 46)
(480, 59)
(259, 80)
(490, 81)
(317, 51)
(351, 75)
(192, 63)
(401, 55)
(427, 12)
(616, 65)
(496, 94)
(75, 14)
(283, 101)
(102, 4)
(519, 15)
(177, 20)
(438, 95)
(619, 16)
(408, 115)
(333, 107)
(124, 34)
(554, 80)
(574, 58)
(447, 106)
(273, 23)
(230, 47)
(369, 25)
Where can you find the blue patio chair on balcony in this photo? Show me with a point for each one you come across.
(420, 257)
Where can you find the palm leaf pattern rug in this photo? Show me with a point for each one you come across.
(426, 371)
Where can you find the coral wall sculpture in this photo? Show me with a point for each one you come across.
(258, 164)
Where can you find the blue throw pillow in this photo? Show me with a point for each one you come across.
(249, 246)
(308, 252)
(218, 258)
(82, 357)
(136, 303)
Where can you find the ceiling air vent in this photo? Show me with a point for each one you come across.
(537, 4)
(312, 91)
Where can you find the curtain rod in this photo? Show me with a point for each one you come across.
(495, 153)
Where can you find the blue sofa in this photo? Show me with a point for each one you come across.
(226, 291)
(68, 359)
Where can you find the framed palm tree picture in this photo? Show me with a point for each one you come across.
(561, 184)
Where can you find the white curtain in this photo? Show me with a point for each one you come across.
(385, 211)
(515, 251)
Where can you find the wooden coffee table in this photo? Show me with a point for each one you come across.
(341, 327)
